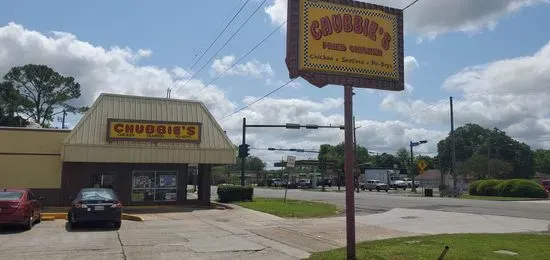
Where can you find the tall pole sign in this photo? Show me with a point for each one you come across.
(348, 43)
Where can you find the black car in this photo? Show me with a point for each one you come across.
(95, 205)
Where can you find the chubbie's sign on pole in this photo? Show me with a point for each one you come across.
(345, 43)
(349, 43)
(140, 130)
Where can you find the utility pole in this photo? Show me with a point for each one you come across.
(413, 188)
(355, 157)
(63, 120)
(453, 152)
(243, 159)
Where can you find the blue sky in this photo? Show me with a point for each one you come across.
(175, 31)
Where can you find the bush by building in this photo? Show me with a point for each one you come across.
(229, 193)
(489, 187)
(520, 188)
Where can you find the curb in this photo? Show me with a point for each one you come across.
(132, 217)
(53, 216)
(223, 205)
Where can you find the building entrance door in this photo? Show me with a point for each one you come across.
(106, 180)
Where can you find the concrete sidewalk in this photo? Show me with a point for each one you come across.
(294, 238)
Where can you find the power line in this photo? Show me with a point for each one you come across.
(284, 85)
(411, 4)
(224, 45)
(257, 100)
(241, 58)
(220, 34)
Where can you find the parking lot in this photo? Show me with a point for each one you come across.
(187, 235)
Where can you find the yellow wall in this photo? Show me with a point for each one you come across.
(38, 172)
(30, 158)
(18, 140)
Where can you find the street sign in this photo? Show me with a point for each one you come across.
(422, 166)
(290, 160)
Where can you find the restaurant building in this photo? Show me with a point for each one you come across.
(147, 149)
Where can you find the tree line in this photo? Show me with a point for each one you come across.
(481, 153)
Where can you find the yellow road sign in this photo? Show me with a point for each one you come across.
(422, 165)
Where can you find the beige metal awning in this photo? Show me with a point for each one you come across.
(135, 129)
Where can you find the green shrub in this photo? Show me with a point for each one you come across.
(521, 188)
(229, 193)
(472, 188)
(488, 187)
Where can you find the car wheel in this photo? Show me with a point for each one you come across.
(30, 222)
(378, 189)
(117, 224)
(387, 190)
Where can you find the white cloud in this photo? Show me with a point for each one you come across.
(427, 18)
(382, 136)
(277, 12)
(115, 70)
(510, 94)
(97, 69)
(251, 68)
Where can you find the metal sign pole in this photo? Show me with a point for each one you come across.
(349, 157)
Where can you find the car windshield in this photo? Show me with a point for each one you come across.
(10, 195)
(97, 194)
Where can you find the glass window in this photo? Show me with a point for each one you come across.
(97, 194)
(154, 186)
(10, 195)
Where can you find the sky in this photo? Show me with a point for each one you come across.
(491, 56)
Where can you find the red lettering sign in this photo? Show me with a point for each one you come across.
(191, 130)
(337, 23)
(149, 129)
(129, 129)
(119, 128)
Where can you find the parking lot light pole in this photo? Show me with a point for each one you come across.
(413, 171)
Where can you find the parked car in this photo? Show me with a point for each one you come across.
(95, 205)
(374, 185)
(326, 181)
(409, 183)
(304, 183)
(19, 207)
(277, 183)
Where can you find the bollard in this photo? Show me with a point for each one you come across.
(443, 253)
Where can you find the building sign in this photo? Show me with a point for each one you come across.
(137, 130)
(345, 43)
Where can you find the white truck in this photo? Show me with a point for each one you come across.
(390, 177)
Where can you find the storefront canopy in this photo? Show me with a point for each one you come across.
(135, 129)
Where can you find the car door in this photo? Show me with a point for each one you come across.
(31, 205)
(37, 204)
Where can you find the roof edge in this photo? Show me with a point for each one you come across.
(9, 128)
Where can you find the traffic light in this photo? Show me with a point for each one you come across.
(244, 150)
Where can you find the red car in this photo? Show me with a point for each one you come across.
(19, 207)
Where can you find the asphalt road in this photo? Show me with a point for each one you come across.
(376, 202)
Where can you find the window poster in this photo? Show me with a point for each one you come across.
(143, 195)
(143, 180)
(166, 195)
(167, 181)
